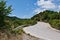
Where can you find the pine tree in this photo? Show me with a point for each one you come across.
(4, 11)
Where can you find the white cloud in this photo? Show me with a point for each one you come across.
(59, 6)
(39, 10)
(46, 5)
(25, 16)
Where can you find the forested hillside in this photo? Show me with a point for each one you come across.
(51, 17)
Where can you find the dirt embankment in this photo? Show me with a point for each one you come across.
(23, 36)
(5, 36)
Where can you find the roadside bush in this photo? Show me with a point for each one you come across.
(55, 24)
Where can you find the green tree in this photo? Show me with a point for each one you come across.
(4, 11)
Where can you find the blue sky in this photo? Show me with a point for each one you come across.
(28, 8)
(22, 8)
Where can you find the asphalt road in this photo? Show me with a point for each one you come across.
(43, 30)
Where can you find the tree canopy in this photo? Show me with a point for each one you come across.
(4, 11)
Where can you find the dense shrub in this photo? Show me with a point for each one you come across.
(55, 24)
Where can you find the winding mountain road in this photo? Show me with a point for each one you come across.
(43, 30)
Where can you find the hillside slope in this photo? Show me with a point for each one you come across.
(53, 18)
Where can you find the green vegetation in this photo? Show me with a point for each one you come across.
(49, 16)
(55, 24)
(8, 23)
(13, 22)
(17, 21)
(4, 11)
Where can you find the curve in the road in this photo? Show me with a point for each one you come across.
(43, 30)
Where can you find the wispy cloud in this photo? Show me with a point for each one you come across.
(38, 10)
(47, 5)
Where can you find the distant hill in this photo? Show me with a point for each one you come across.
(15, 21)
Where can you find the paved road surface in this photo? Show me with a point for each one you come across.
(43, 30)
